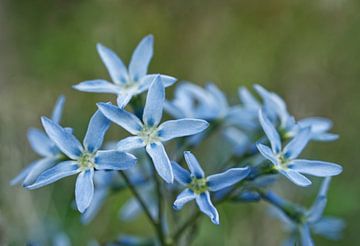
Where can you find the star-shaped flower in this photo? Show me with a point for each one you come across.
(44, 146)
(284, 159)
(311, 220)
(126, 82)
(148, 133)
(199, 186)
(84, 159)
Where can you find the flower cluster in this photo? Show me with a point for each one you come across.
(151, 161)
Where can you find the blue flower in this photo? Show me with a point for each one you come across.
(126, 82)
(199, 186)
(284, 159)
(192, 101)
(148, 133)
(44, 146)
(312, 220)
(84, 159)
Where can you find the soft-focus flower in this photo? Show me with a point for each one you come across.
(284, 159)
(43, 146)
(127, 82)
(148, 133)
(84, 159)
(199, 186)
(312, 220)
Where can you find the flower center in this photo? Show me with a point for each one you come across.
(283, 162)
(198, 185)
(86, 161)
(149, 134)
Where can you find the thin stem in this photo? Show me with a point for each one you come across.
(139, 199)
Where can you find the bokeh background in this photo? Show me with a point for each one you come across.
(307, 51)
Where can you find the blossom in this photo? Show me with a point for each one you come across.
(284, 159)
(148, 133)
(127, 82)
(199, 186)
(43, 146)
(83, 159)
(311, 220)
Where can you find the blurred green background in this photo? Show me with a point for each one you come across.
(307, 51)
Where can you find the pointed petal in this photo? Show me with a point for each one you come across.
(297, 144)
(218, 96)
(184, 197)
(121, 117)
(181, 175)
(317, 124)
(315, 168)
(206, 206)
(248, 99)
(154, 103)
(161, 161)
(130, 143)
(114, 160)
(141, 58)
(317, 209)
(179, 128)
(97, 86)
(95, 205)
(296, 177)
(228, 178)
(193, 164)
(57, 112)
(329, 227)
(267, 153)
(270, 132)
(23, 173)
(84, 189)
(123, 99)
(305, 236)
(148, 79)
(61, 170)
(97, 128)
(113, 63)
(64, 140)
(38, 169)
(41, 143)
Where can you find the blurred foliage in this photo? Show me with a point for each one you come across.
(308, 51)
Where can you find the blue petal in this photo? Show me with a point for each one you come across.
(113, 63)
(193, 164)
(219, 97)
(148, 79)
(315, 168)
(113, 160)
(305, 236)
(248, 99)
(317, 124)
(316, 211)
(174, 110)
(130, 143)
(296, 177)
(121, 117)
(154, 103)
(37, 169)
(325, 137)
(181, 175)
(61, 170)
(184, 197)
(95, 205)
(23, 173)
(267, 153)
(84, 189)
(297, 144)
(228, 178)
(123, 99)
(180, 128)
(97, 86)
(41, 143)
(97, 128)
(270, 132)
(206, 206)
(329, 227)
(64, 140)
(130, 210)
(141, 58)
(57, 112)
(161, 161)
